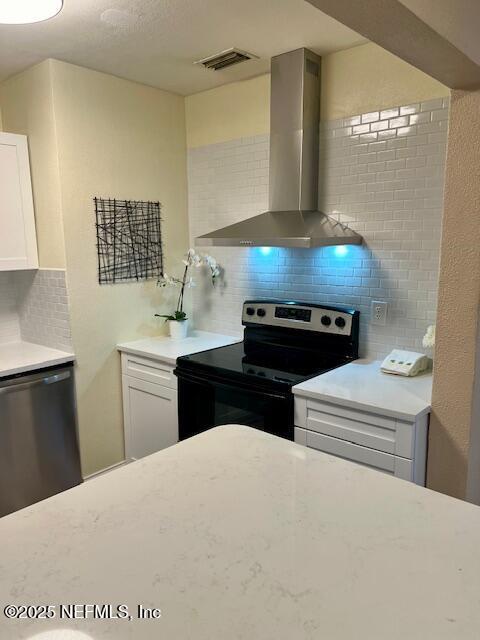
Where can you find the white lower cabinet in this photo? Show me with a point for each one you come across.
(149, 406)
(397, 447)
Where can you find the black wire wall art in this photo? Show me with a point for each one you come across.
(129, 240)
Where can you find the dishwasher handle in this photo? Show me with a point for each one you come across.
(13, 385)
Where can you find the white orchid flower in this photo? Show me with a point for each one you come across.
(429, 337)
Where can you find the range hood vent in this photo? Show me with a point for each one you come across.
(226, 59)
(293, 219)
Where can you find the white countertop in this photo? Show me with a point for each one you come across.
(20, 357)
(361, 385)
(238, 534)
(168, 350)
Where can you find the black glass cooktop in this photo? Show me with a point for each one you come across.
(272, 365)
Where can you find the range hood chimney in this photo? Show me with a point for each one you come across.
(293, 219)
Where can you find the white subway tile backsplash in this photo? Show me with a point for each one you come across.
(386, 114)
(379, 173)
(373, 116)
(409, 109)
(43, 308)
(430, 105)
(34, 308)
(9, 320)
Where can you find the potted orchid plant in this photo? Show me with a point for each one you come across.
(178, 321)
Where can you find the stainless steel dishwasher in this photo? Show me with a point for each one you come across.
(39, 454)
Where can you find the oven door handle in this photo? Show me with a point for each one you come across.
(181, 375)
(253, 392)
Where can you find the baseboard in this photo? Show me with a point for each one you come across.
(107, 469)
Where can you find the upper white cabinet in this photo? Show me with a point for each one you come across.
(18, 242)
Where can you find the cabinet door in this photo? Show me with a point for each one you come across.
(150, 416)
(149, 370)
(18, 243)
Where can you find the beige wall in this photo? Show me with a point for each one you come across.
(27, 107)
(473, 475)
(229, 112)
(357, 80)
(124, 140)
(456, 21)
(368, 78)
(454, 425)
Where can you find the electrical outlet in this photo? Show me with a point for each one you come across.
(378, 312)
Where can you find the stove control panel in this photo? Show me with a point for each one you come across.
(297, 315)
(293, 313)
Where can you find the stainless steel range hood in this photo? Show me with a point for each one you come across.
(292, 219)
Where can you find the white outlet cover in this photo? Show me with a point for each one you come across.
(379, 309)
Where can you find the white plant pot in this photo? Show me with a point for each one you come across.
(178, 329)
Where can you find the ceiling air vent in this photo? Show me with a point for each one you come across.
(226, 59)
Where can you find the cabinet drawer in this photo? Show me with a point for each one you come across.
(359, 427)
(148, 370)
(399, 467)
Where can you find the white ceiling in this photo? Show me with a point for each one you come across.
(156, 41)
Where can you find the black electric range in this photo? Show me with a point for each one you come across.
(251, 382)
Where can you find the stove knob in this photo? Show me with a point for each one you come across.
(250, 311)
(340, 322)
(326, 321)
(261, 312)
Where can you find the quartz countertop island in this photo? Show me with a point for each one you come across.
(237, 534)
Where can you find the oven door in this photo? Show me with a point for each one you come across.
(206, 403)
